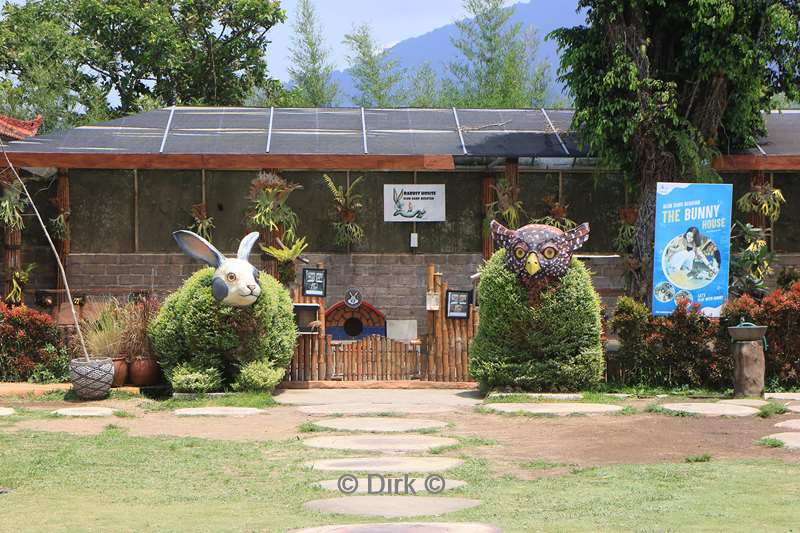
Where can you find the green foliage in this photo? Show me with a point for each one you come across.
(259, 376)
(666, 351)
(751, 261)
(310, 70)
(71, 55)
(31, 347)
(703, 458)
(763, 200)
(269, 211)
(377, 78)
(186, 378)
(787, 277)
(347, 204)
(497, 67)
(104, 333)
(192, 327)
(425, 89)
(12, 204)
(660, 86)
(553, 346)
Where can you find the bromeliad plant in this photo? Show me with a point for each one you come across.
(269, 212)
(286, 256)
(347, 204)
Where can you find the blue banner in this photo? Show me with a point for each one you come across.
(693, 244)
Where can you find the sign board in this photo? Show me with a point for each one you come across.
(353, 298)
(431, 301)
(458, 304)
(413, 202)
(315, 281)
(692, 246)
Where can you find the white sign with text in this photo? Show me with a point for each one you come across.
(413, 202)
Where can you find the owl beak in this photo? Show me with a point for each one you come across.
(532, 264)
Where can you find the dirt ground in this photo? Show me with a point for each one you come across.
(569, 442)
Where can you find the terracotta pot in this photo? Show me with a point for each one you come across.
(144, 371)
(120, 370)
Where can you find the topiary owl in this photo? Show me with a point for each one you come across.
(537, 254)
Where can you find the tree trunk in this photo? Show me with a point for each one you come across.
(644, 239)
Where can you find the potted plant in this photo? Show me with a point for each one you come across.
(556, 216)
(202, 223)
(143, 368)
(347, 203)
(103, 337)
(507, 209)
(286, 257)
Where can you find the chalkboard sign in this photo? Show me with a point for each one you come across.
(315, 281)
(458, 304)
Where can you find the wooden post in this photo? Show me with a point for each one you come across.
(487, 194)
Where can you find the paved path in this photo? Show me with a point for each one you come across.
(380, 424)
(430, 397)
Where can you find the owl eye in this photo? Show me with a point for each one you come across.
(519, 252)
(231, 276)
(549, 252)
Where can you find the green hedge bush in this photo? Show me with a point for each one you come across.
(258, 376)
(553, 347)
(192, 327)
(186, 378)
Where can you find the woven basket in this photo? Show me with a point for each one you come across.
(91, 379)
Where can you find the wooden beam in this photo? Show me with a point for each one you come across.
(235, 161)
(740, 163)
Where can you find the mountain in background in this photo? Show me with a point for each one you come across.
(436, 46)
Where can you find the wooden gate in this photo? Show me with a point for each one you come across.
(370, 358)
(442, 354)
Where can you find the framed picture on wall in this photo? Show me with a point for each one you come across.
(458, 304)
(315, 281)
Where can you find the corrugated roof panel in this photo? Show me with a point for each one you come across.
(316, 131)
(217, 131)
(411, 131)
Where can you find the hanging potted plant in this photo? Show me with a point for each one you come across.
(505, 209)
(91, 376)
(19, 279)
(556, 216)
(762, 201)
(202, 223)
(347, 204)
(269, 212)
(287, 257)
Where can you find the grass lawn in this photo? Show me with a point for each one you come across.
(114, 482)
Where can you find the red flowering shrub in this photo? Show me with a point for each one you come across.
(669, 351)
(31, 347)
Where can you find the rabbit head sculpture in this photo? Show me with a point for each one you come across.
(235, 281)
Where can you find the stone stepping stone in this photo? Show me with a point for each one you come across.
(559, 409)
(747, 402)
(218, 411)
(404, 527)
(6, 411)
(381, 424)
(782, 395)
(789, 424)
(710, 409)
(790, 440)
(391, 506)
(380, 443)
(373, 408)
(84, 411)
(377, 465)
(391, 485)
(794, 407)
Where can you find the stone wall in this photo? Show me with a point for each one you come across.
(394, 283)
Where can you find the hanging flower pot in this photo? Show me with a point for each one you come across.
(91, 378)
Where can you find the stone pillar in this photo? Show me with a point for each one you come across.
(748, 371)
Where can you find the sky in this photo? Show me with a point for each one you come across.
(390, 20)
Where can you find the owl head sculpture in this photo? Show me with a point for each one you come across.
(538, 254)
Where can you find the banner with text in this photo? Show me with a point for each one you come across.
(413, 203)
(692, 248)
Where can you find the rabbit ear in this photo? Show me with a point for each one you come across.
(197, 247)
(246, 245)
